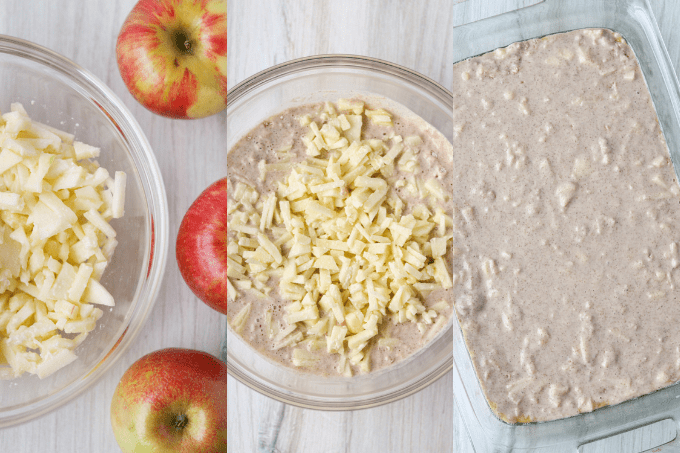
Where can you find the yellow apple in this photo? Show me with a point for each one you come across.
(172, 56)
(172, 401)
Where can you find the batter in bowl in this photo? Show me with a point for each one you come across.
(340, 236)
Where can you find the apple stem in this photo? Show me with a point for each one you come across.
(183, 43)
(180, 422)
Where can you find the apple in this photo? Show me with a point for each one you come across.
(202, 246)
(172, 400)
(172, 56)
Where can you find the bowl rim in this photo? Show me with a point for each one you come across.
(375, 65)
(153, 188)
(338, 61)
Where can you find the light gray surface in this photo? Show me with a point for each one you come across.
(190, 155)
(416, 35)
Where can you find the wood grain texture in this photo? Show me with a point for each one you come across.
(413, 34)
(190, 154)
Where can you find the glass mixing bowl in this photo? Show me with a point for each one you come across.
(57, 92)
(327, 78)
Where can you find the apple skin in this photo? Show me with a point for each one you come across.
(172, 56)
(201, 247)
(167, 388)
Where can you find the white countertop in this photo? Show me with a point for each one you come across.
(190, 154)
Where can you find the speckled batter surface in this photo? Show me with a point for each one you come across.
(566, 227)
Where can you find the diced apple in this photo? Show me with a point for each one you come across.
(54, 362)
(19, 147)
(63, 282)
(46, 222)
(18, 365)
(55, 343)
(22, 315)
(58, 167)
(37, 330)
(303, 358)
(118, 202)
(4, 319)
(85, 151)
(80, 282)
(86, 310)
(95, 293)
(10, 254)
(58, 206)
(36, 261)
(99, 269)
(98, 221)
(109, 247)
(52, 264)
(29, 288)
(15, 122)
(8, 159)
(70, 178)
(83, 249)
(10, 201)
(79, 326)
(66, 308)
(238, 322)
(34, 183)
(79, 339)
(42, 130)
(17, 107)
(98, 177)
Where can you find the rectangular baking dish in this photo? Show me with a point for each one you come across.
(634, 20)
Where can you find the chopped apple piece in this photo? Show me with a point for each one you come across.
(303, 358)
(53, 362)
(98, 221)
(240, 319)
(95, 293)
(8, 159)
(84, 151)
(117, 204)
(64, 281)
(9, 254)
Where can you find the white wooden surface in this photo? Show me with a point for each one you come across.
(415, 34)
(191, 156)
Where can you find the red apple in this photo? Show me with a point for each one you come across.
(202, 246)
(172, 400)
(172, 55)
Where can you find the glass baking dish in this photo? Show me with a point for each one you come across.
(634, 20)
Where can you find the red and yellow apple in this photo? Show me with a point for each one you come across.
(172, 401)
(202, 246)
(172, 56)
